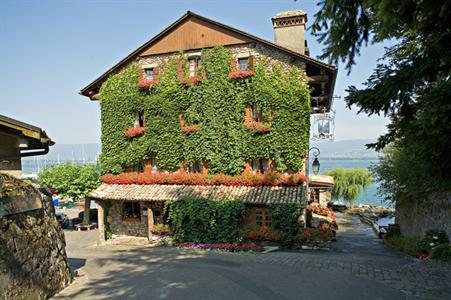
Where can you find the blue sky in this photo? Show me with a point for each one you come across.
(52, 49)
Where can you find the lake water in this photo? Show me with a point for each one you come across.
(368, 196)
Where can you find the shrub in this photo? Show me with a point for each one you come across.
(161, 229)
(204, 220)
(284, 219)
(431, 240)
(405, 244)
(442, 252)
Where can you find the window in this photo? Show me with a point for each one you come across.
(138, 168)
(195, 167)
(260, 166)
(243, 64)
(139, 119)
(157, 217)
(194, 64)
(256, 114)
(154, 164)
(149, 73)
(131, 210)
(262, 217)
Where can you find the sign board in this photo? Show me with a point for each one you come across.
(17, 196)
(323, 126)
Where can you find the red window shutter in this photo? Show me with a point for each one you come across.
(251, 62)
(180, 72)
(233, 64)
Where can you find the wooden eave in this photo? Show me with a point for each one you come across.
(92, 89)
(35, 135)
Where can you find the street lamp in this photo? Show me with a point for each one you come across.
(315, 166)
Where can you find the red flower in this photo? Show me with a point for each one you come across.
(191, 80)
(133, 132)
(146, 83)
(257, 126)
(182, 178)
(241, 74)
(190, 129)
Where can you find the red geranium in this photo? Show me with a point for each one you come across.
(190, 129)
(257, 126)
(146, 83)
(241, 74)
(133, 132)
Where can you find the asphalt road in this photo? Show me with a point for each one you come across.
(358, 267)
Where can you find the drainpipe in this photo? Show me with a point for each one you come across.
(35, 153)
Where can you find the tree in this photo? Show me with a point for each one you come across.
(72, 181)
(349, 183)
(411, 84)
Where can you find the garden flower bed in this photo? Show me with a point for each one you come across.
(234, 247)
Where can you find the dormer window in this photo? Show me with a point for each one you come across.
(139, 119)
(138, 168)
(260, 166)
(243, 64)
(149, 72)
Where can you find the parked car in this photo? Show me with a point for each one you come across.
(62, 219)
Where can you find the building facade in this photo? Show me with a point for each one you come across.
(206, 110)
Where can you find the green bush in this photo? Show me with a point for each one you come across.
(204, 220)
(442, 252)
(284, 219)
(405, 244)
(432, 239)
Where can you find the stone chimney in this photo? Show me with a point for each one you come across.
(289, 30)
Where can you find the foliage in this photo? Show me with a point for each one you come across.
(431, 240)
(161, 229)
(70, 180)
(411, 85)
(442, 252)
(204, 220)
(261, 233)
(349, 182)
(306, 235)
(216, 105)
(182, 178)
(405, 244)
(284, 219)
(224, 246)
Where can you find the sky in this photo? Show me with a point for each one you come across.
(52, 49)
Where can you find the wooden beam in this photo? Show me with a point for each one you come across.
(318, 79)
(149, 223)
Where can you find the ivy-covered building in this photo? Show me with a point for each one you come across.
(206, 110)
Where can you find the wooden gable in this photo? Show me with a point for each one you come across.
(194, 33)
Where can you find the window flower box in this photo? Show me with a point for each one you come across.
(241, 74)
(191, 80)
(190, 129)
(134, 132)
(257, 126)
(145, 84)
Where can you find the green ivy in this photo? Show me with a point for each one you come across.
(217, 105)
(285, 219)
(204, 220)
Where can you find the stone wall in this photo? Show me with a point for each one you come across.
(33, 263)
(415, 218)
(258, 51)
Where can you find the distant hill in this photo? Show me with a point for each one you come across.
(346, 149)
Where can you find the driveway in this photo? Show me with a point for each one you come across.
(358, 267)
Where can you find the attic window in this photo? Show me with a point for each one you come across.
(139, 119)
(149, 73)
(243, 63)
(154, 164)
(138, 168)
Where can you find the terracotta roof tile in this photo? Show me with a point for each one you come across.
(253, 195)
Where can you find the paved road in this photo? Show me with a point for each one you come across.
(358, 267)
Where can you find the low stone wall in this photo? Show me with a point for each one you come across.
(415, 218)
(33, 263)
